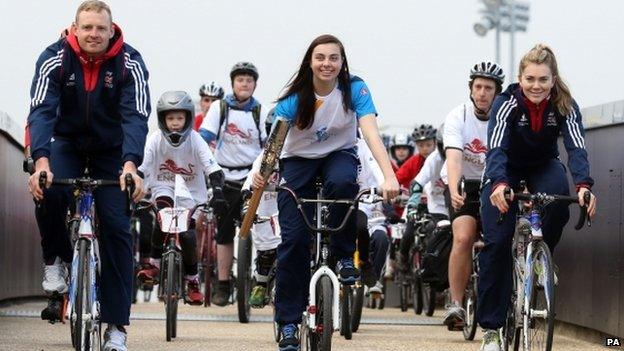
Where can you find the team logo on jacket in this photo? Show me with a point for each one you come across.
(524, 121)
(232, 129)
(552, 120)
(108, 79)
(71, 81)
(172, 167)
(363, 91)
(321, 134)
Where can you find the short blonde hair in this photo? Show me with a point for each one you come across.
(94, 5)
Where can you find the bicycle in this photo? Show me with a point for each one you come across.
(329, 302)
(532, 310)
(207, 250)
(172, 221)
(423, 294)
(83, 304)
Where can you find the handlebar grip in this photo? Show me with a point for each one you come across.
(130, 187)
(43, 177)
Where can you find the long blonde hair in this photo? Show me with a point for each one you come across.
(542, 54)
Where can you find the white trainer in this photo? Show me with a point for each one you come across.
(55, 277)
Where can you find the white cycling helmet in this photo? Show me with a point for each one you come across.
(211, 89)
(175, 101)
(489, 70)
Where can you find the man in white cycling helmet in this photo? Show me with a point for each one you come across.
(465, 142)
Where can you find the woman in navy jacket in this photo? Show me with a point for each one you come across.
(525, 122)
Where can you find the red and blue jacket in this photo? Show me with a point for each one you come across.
(99, 103)
(522, 135)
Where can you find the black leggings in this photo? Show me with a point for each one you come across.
(227, 224)
(188, 240)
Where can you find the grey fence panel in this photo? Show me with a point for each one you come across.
(20, 248)
(590, 260)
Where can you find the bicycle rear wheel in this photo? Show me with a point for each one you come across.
(243, 279)
(346, 304)
(358, 304)
(82, 303)
(539, 306)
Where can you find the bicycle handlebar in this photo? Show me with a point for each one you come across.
(542, 199)
(149, 205)
(300, 202)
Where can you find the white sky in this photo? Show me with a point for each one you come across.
(414, 55)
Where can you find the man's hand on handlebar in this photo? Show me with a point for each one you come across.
(41, 165)
(130, 168)
(389, 188)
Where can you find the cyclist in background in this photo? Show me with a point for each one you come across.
(424, 138)
(427, 181)
(236, 125)
(401, 150)
(465, 137)
(89, 107)
(208, 93)
(179, 150)
(324, 104)
(526, 122)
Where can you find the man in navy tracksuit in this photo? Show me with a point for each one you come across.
(522, 138)
(89, 107)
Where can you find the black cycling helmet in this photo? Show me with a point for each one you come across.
(440, 141)
(175, 101)
(423, 132)
(244, 68)
(211, 89)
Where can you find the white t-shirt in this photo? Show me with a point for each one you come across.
(192, 160)
(333, 128)
(433, 187)
(369, 172)
(465, 132)
(238, 143)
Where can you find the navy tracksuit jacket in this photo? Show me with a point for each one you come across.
(517, 152)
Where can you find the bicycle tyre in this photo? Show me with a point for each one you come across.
(243, 279)
(170, 298)
(207, 258)
(358, 304)
(346, 304)
(538, 332)
(404, 296)
(382, 299)
(429, 299)
(324, 318)
(418, 295)
(81, 302)
(470, 297)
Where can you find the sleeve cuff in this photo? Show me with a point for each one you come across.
(134, 158)
(582, 185)
(497, 184)
(37, 154)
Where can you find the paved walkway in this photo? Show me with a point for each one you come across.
(217, 328)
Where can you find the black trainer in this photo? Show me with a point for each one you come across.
(290, 338)
(52, 312)
(221, 296)
(347, 273)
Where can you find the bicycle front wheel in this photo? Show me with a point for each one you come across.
(539, 305)
(243, 279)
(324, 318)
(470, 305)
(346, 304)
(82, 303)
(171, 298)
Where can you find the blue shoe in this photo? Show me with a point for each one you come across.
(347, 273)
(290, 338)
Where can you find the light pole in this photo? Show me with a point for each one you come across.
(506, 16)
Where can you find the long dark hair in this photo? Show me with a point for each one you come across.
(301, 83)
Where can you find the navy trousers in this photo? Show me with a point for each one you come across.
(114, 224)
(339, 173)
(495, 260)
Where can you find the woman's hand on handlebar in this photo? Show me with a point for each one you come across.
(257, 181)
(591, 207)
(390, 188)
(499, 200)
